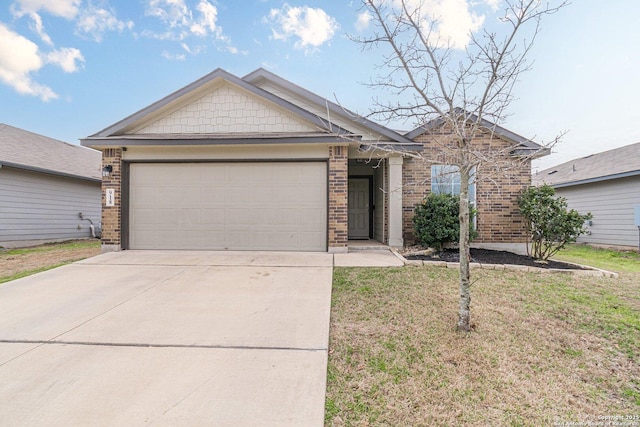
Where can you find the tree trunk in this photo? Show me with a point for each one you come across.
(464, 313)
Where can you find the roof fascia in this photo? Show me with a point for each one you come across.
(597, 179)
(532, 152)
(494, 128)
(392, 148)
(130, 142)
(334, 108)
(47, 171)
(220, 73)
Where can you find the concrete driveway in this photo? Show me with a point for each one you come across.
(168, 338)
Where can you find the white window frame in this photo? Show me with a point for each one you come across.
(445, 179)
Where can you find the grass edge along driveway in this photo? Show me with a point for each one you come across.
(22, 262)
(546, 348)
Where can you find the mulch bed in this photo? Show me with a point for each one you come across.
(486, 256)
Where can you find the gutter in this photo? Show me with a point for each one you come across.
(596, 179)
(48, 171)
(124, 141)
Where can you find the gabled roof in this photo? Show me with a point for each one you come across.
(27, 150)
(328, 131)
(526, 146)
(334, 109)
(218, 74)
(617, 163)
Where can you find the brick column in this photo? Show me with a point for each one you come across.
(338, 199)
(111, 215)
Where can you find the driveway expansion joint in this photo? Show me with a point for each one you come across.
(150, 345)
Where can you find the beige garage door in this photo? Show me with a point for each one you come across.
(228, 206)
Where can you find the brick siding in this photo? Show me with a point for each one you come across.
(498, 215)
(338, 197)
(111, 215)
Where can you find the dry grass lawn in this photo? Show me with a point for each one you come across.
(547, 348)
(17, 263)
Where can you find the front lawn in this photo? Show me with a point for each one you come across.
(546, 347)
(17, 263)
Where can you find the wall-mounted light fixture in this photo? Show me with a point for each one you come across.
(106, 171)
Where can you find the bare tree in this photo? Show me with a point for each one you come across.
(462, 92)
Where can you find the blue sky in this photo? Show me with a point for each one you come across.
(69, 68)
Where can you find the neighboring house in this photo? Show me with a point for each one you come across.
(259, 163)
(607, 185)
(44, 185)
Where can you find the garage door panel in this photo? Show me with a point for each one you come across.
(284, 217)
(146, 217)
(166, 217)
(238, 195)
(235, 206)
(213, 175)
(309, 216)
(306, 197)
(144, 197)
(202, 218)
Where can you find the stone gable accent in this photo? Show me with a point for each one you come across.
(226, 110)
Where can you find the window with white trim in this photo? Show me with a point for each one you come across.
(445, 179)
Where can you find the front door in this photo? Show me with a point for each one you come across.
(359, 208)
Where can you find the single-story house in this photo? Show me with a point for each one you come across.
(44, 186)
(606, 184)
(259, 163)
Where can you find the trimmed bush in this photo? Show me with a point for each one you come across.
(550, 224)
(436, 222)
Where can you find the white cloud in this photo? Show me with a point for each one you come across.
(174, 56)
(183, 23)
(193, 50)
(172, 12)
(207, 21)
(67, 9)
(38, 27)
(452, 20)
(95, 21)
(36, 24)
(312, 27)
(362, 23)
(233, 50)
(19, 57)
(494, 4)
(66, 58)
(91, 21)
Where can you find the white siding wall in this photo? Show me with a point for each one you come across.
(612, 205)
(37, 206)
(226, 110)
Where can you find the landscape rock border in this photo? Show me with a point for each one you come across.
(584, 270)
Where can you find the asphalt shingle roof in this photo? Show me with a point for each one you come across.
(610, 164)
(21, 148)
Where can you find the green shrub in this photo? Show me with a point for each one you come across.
(549, 223)
(436, 222)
